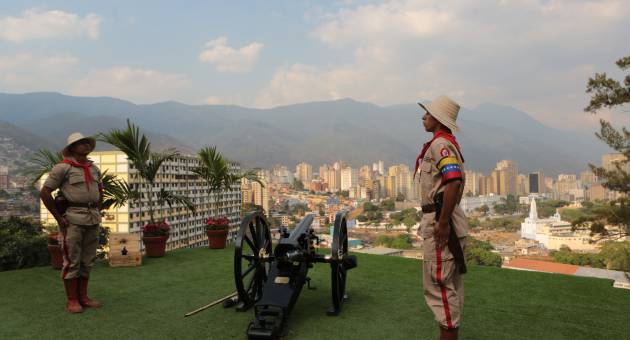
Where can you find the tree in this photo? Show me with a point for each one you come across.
(216, 171)
(610, 93)
(388, 205)
(479, 253)
(508, 206)
(484, 209)
(297, 184)
(137, 147)
(368, 206)
(616, 255)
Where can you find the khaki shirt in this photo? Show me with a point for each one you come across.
(71, 181)
(441, 163)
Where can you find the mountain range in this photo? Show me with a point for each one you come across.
(316, 132)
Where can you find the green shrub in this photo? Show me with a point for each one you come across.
(22, 244)
(479, 253)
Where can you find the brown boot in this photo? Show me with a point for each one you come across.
(83, 295)
(73, 305)
(448, 334)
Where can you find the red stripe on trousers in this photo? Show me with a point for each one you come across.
(438, 277)
(65, 253)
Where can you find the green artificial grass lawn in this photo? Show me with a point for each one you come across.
(386, 302)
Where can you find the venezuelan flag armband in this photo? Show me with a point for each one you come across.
(450, 169)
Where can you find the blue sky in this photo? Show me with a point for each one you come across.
(533, 55)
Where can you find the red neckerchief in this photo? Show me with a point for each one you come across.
(441, 133)
(87, 174)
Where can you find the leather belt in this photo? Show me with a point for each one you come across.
(90, 205)
(428, 208)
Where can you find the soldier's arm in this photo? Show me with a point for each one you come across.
(450, 169)
(46, 195)
(53, 182)
(451, 191)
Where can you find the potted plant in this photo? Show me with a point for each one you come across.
(217, 230)
(54, 247)
(147, 164)
(216, 171)
(154, 238)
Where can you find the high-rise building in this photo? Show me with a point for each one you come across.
(260, 193)
(374, 189)
(483, 186)
(566, 188)
(365, 175)
(493, 183)
(304, 173)
(522, 185)
(508, 172)
(4, 177)
(473, 184)
(187, 228)
(349, 178)
(537, 182)
(281, 175)
(588, 178)
(391, 187)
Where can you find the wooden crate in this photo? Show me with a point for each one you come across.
(124, 250)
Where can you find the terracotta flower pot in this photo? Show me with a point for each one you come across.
(216, 238)
(155, 246)
(56, 259)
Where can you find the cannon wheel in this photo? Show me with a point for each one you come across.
(252, 248)
(338, 271)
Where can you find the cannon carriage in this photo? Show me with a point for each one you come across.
(270, 279)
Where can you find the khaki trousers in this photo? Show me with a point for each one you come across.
(78, 247)
(443, 285)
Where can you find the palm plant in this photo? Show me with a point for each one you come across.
(215, 170)
(147, 163)
(115, 191)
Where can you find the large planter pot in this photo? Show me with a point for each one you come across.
(155, 246)
(216, 238)
(56, 258)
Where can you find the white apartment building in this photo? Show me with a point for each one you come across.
(187, 228)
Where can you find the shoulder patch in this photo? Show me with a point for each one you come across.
(444, 152)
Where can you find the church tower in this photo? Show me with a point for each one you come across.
(528, 228)
(533, 211)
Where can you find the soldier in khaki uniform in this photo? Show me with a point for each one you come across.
(441, 175)
(78, 180)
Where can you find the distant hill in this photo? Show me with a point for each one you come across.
(25, 138)
(59, 126)
(317, 132)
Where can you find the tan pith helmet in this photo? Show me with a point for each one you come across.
(445, 110)
(75, 137)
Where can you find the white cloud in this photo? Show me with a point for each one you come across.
(383, 22)
(140, 85)
(26, 72)
(228, 59)
(34, 24)
(531, 54)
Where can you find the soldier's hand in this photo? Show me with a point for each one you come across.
(440, 234)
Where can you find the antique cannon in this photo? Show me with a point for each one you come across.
(270, 280)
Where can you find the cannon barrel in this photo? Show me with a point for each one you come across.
(292, 248)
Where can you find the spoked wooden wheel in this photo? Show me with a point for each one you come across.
(251, 258)
(338, 270)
